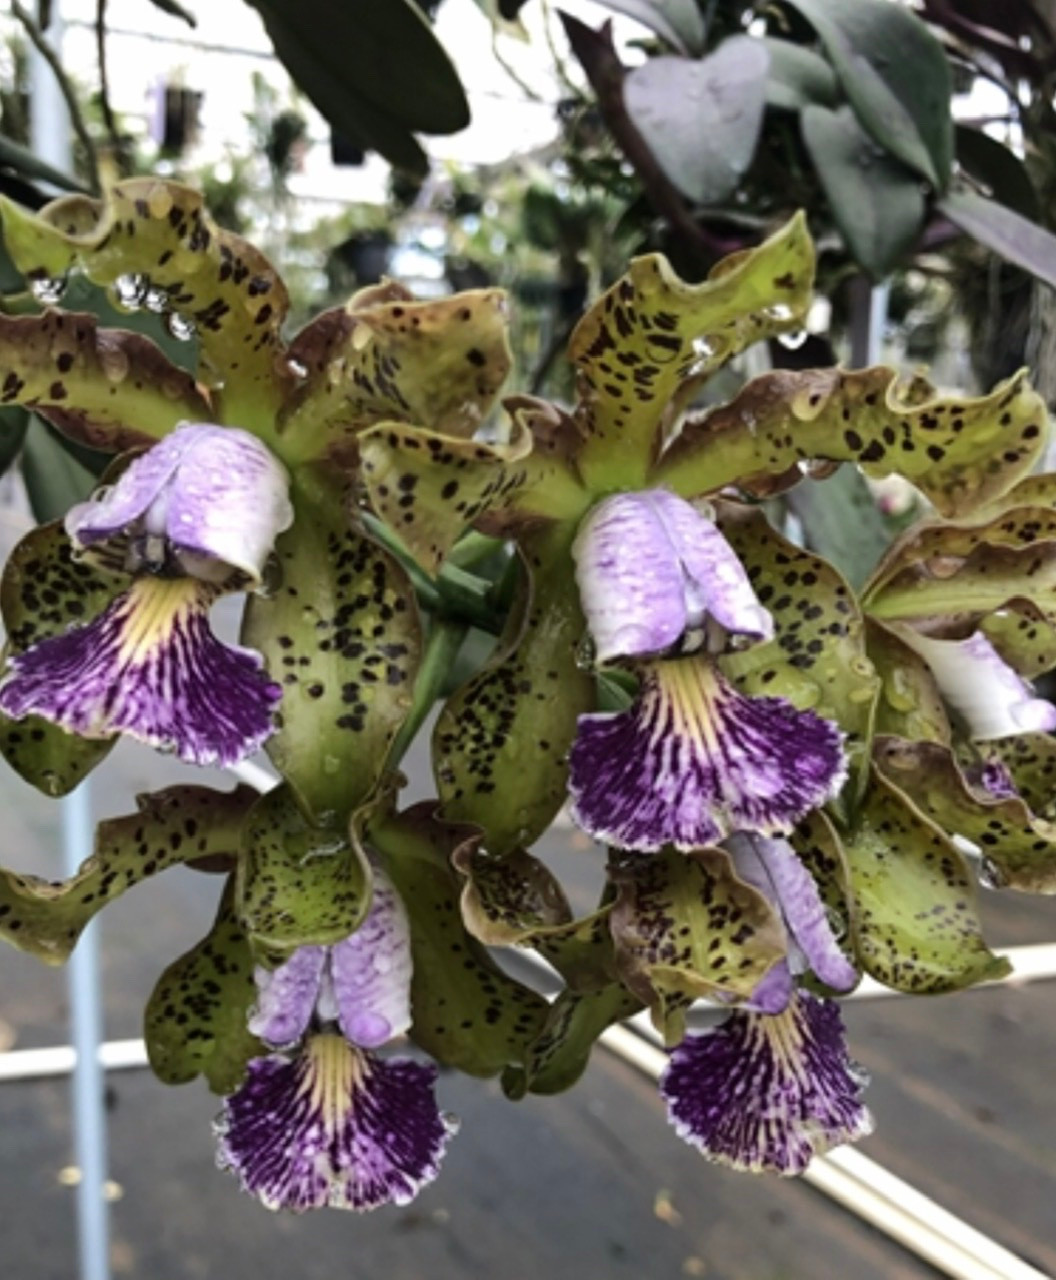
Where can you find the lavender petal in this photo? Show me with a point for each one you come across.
(776, 870)
(287, 997)
(333, 1126)
(149, 666)
(371, 971)
(693, 760)
(650, 568)
(767, 1093)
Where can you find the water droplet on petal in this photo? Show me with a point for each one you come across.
(180, 327)
(794, 340)
(48, 289)
(779, 311)
(130, 291)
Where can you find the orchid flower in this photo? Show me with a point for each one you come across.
(327, 1121)
(193, 517)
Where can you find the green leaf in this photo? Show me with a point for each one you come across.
(685, 927)
(467, 1012)
(916, 925)
(877, 203)
(14, 421)
(376, 72)
(558, 1056)
(297, 884)
(651, 336)
(25, 162)
(157, 235)
(895, 74)
(961, 452)
(104, 388)
(54, 479)
(437, 364)
(501, 740)
(195, 1020)
(1021, 846)
(798, 76)
(679, 22)
(998, 167)
(701, 118)
(173, 826)
(1010, 236)
(817, 657)
(341, 633)
(842, 522)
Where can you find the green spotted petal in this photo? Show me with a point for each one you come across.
(959, 451)
(1018, 845)
(1031, 760)
(297, 884)
(967, 570)
(47, 757)
(916, 923)
(685, 927)
(817, 658)
(558, 1056)
(104, 388)
(652, 336)
(1024, 636)
(438, 364)
(177, 825)
(195, 1020)
(467, 1013)
(158, 236)
(428, 487)
(910, 705)
(501, 740)
(508, 900)
(341, 633)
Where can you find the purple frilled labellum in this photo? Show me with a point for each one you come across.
(196, 514)
(692, 760)
(330, 1123)
(767, 1092)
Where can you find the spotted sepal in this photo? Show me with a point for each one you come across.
(1030, 759)
(439, 364)
(178, 825)
(685, 927)
(960, 452)
(297, 884)
(105, 388)
(909, 705)
(341, 634)
(916, 924)
(651, 335)
(501, 742)
(154, 242)
(1020, 847)
(196, 1018)
(817, 658)
(508, 900)
(467, 1013)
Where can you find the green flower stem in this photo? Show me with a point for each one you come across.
(472, 548)
(445, 639)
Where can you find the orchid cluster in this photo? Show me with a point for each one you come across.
(796, 783)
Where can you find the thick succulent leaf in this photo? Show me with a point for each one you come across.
(501, 741)
(916, 925)
(817, 658)
(961, 452)
(684, 927)
(877, 203)
(701, 117)
(297, 884)
(650, 333)
(154, 242)
(467, 1013)
(1007, 233)
(510, 899)
(437, 364)
(798, 76)
(558, 1056)
(195, 1020)
(104, 388)
(43, 592)
(341, 633)
(177, 825)
(910, 705)
(429, 487)
(895, 73)
(965, 572)
(1018, 846)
